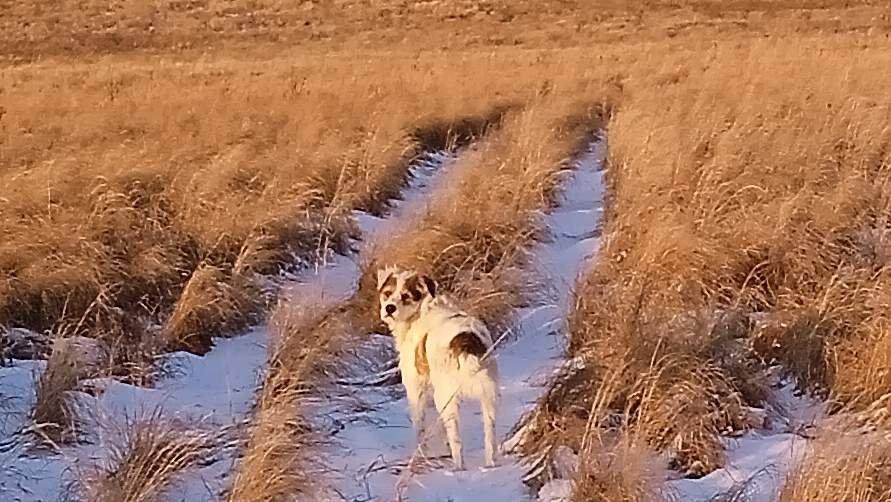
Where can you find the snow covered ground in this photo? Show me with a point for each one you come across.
(213, 392)
(374, 448)
(759, 461)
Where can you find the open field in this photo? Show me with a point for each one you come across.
(35, 30)
(170, 170)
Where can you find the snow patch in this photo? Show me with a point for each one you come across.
(557, 490)
(759, 460)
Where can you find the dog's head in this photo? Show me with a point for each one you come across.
(401, 293)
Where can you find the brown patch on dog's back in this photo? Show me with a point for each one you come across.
(421, 363)
(467, 342)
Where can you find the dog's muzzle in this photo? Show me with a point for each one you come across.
(390, 309)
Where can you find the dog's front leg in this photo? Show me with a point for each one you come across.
(416, 393)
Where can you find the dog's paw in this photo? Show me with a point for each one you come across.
(454, 471)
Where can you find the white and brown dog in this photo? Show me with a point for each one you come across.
(442, 348)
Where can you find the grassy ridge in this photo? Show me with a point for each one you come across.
(747, 222)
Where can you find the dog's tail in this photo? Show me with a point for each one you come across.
(467, 349)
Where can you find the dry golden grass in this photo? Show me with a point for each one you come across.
(143, 460)
(616, 460)
(748, 183)
(155, 189)
(209, 301)
(53, 414)
(621, 472)
(280, 460)
(31, 31)
(766, 194)
(154, 158)
(128, 176)
(846, 469)
(278, 464)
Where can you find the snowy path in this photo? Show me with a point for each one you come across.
(215, 390)
(374, 450)
(338, 279)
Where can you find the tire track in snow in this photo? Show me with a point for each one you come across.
(375, 450)
(216, 390)
(337, 280)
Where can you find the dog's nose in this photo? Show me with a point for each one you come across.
(391, 309)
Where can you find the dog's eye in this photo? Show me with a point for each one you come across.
(406, 298)
(386, 293)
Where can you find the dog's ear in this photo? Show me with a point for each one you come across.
(430, 284)
(384, 275)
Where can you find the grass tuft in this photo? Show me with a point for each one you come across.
(54, 414)
(143, 459)
(280, 460)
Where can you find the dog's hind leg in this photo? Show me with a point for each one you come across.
(418, 417)
(446, 400)
(488, 404)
